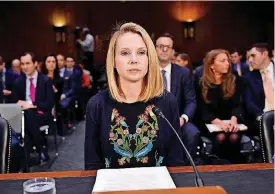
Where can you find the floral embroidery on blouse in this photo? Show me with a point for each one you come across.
(141, 141)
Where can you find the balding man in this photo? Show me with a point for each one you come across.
(16, 68)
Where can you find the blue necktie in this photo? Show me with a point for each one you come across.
(164, 79)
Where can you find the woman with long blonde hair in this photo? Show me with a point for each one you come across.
(220, 100)
(121, 128)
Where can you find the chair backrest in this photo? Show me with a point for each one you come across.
(267, 135)
(5, 146)
(13, 113)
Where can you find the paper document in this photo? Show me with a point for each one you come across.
(126, 179)
(214, 128)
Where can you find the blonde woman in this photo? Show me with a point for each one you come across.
(121, 129)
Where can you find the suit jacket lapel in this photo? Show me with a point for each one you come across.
(173, 80)
(24, 87)
(38, 88)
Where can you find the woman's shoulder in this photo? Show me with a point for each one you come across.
(100, 98)
(167, 98)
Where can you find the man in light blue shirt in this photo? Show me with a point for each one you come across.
(61, 64)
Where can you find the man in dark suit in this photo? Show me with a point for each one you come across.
(72, 83)
(7, 79)
(34, 93)
(177, 80)
(239, 68)
(259, 92)
(71, 87)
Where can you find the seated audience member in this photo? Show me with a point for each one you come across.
(174, 57)
(220, 99)
(39, 66)
(86, 74)
(72, 84)
(239, 68)
(86, 86)
(49, 68)
(122, 130)
(34, 93)
(198, 72)
(177, 80)
(16, 67)
(61, 64)
(7, 79)
(259, 93)
(184, 60)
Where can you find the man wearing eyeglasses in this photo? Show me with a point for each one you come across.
(177, 80)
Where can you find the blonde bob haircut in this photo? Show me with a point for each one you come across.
(152, 82)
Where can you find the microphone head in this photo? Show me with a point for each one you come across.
(157, 111)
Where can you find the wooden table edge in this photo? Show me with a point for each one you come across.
(205, 190)
(207, 168)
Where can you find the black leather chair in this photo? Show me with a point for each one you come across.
(5, 146)
(266, 127)
(248, 147)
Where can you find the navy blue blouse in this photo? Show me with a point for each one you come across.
(110, 142)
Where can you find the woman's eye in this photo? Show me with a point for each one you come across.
(124, 53)
(142, 52)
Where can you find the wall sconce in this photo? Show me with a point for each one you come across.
(60, 34)
(189, 29)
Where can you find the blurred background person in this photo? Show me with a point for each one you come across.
(174, 57)
(184, 60)
(16, 67)
(61, 64)
(88, 46)
(238, 67)
(7, 79)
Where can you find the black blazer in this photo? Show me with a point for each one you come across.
(183, 89)
(244, 68)
(44, 98)
(254, 95)
(10, 78)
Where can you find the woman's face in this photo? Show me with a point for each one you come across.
(181, 62)
(50, 63)
(131, 58)
(221, 64)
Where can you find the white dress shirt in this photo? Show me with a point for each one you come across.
(4, 78)
(167, 75)
(271, 76)
(28, 83)
(168, 70)
(61, 71)
(88, 44)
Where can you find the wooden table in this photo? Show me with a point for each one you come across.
(207, 168)
(235, 179)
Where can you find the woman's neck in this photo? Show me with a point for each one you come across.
(218, 78)
(50, 74)
(131, 91)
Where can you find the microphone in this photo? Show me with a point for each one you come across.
(198, 181)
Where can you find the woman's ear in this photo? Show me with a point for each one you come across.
(265, 53)
(212, 68)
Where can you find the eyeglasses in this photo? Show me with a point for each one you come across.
(161, 46)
